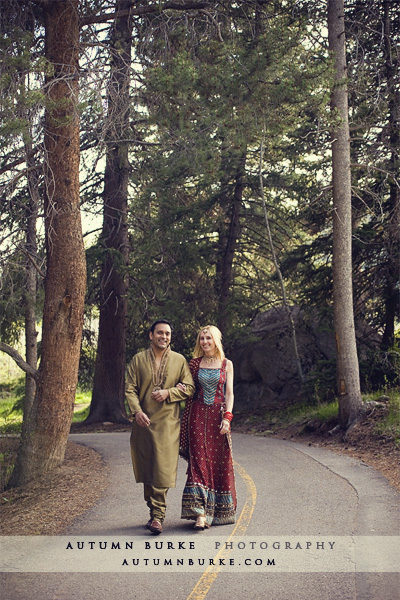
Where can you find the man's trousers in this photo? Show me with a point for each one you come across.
(156, 499)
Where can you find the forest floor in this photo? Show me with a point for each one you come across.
(48, 506)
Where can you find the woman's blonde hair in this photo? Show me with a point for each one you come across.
(217, 337)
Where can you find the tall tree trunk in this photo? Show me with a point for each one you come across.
(229, 234)
(32, 210)
(31, 279)
(347, 369)
(109, 379)
(44, 436)
(392, 234)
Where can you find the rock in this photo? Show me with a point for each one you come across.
(384, 399)
(266, 374)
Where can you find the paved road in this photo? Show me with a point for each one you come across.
(288, 494)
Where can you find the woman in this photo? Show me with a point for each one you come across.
(209, 496)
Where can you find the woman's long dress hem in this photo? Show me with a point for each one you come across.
(210, 487)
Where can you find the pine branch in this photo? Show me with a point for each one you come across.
(34, 263)
(144, 10)
(275, 261)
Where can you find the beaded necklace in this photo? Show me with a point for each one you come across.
(209, 360)
(158, 374)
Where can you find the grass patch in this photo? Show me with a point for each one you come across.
(304, 412)
(11, 402)
(390, 424)
(297, 414)
(324, 416)
(12, 391)
(80, 415)
(83, 397)
(327, 412)
(11, 423)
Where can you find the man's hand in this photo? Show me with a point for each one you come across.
(160, 395)
(142, 419)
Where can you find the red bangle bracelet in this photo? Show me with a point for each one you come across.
(228, 416)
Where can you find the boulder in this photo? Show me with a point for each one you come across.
(266, 374)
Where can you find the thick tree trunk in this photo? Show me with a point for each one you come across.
(45, 434)
(229, 234)
(347, 369)
(109, 379)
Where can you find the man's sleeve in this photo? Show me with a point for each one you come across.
(131, 389)
(177, 395)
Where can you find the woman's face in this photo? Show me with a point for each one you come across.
(207, 342)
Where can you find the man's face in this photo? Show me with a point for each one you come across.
(161, 337)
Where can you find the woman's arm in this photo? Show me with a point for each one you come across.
(226, 423)
(229, 386)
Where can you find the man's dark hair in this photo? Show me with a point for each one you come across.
(152, 328)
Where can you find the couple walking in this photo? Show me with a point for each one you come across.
(158, 379)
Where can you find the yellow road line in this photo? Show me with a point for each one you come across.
(205, 582)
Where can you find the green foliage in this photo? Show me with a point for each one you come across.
(80, 415)
(208, 93)
(87, 359)
(13, 297)
(324, 412)
(82, 399)
(203, 90)
(17, 99)
(390, 426)
(11, 415)
(11, 406)
(320, 386)
(83, 396)
(372, 41)
(21, 103)
(380, 369)
(327, 413)
(12, 389)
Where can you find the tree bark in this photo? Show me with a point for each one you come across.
(45, 433)
(108, 394)
(347, 368)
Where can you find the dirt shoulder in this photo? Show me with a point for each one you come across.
(48, 506)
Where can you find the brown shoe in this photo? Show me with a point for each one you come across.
(154, 526)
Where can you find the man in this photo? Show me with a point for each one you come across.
(154, 399)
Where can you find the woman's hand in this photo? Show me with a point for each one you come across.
(225, 426)
(181, 386)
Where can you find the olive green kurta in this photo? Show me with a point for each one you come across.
(155, 448)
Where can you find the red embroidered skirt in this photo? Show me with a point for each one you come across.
(210, 486)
